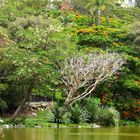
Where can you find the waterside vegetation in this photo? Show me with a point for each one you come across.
(83, 56)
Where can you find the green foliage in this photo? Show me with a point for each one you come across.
(35, 40)
(80, 20)
(10, 10)
(33, 32)
(138, 3)
(101, 37)
(3, 86)
(57, 115)
(19, 121)
(129, 15)
(128, 123)
(97, 8)
(3, 105)
(129, 108)
(92, 107)
(59, 96)
(108, 117)
(37, 49)
(134, 33)
(132, 82)
(78, 114)
(4, 37)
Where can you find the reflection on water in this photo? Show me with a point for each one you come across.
(118, 133)
(1, 133)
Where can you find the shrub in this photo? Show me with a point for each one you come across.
(56, 111)
(134, 32)
(101, 37)
(108, 117)
(130, 109)
(4, 38)
(56, 115)
(3, 105)
(78, 114)
(129, 123)
(19, 121)
(92, 107)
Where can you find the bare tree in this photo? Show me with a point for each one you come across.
(87, 72)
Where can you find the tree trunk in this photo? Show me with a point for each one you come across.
(18, 110)
(107, 21)
(97, 17)
(25, 99)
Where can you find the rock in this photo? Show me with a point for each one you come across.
(42, 109)
(43, 105)
(1, 121)
(6, 126)
(95, 125)
(38, 126)
(19, 126)
(34, 114)
(63, 126)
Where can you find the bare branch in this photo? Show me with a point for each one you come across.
(88, 71)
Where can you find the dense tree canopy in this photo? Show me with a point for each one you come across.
(39, 41)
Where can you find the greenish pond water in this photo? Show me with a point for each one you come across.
(118, 133)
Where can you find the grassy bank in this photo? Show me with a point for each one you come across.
(40, 120)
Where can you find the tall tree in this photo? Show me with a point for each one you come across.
(28, 70)
(101, 7)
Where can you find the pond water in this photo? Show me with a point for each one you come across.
(117, 133)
